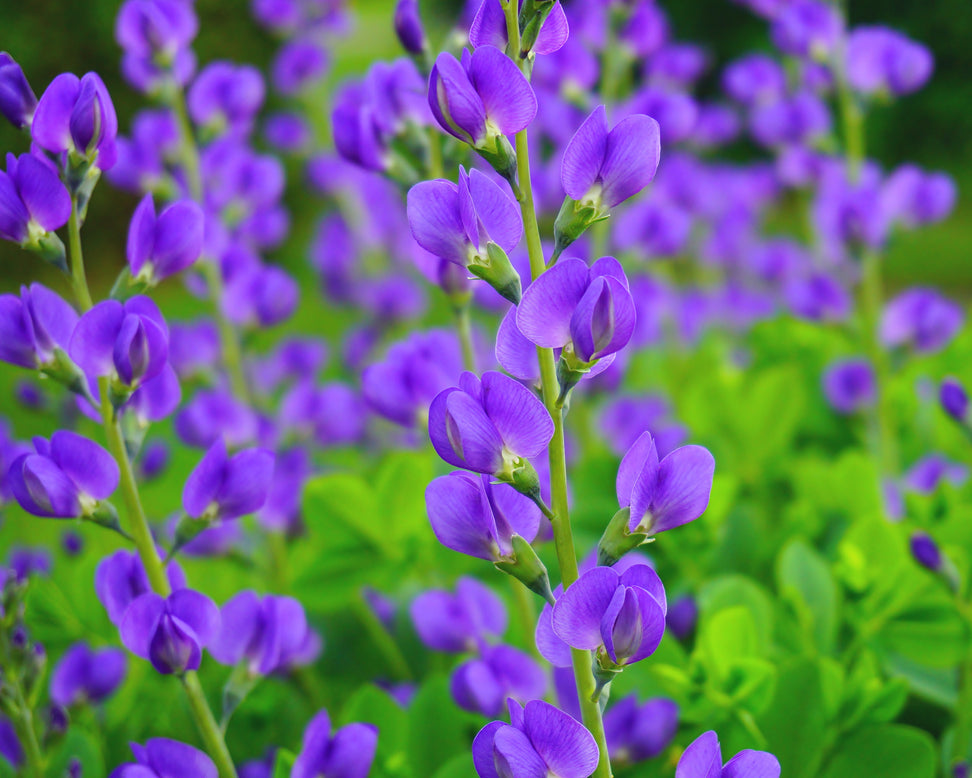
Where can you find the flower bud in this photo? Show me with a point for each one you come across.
(954, 399)
(17, 100)
(408, 27)
(526, 567)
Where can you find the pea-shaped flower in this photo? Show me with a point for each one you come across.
(656, 495)
(227, 487)
(586, 311)
(544, 32)
(164, 758)
(347, 753)
(619, 616)
(120, 579)
(268, 633)
(473, 516)
(954, 399)
(460, 622)
(491, 426)
(921, 319)
(17, 99)
(703, 759)
(540, 740)
(172, 631)
(127, 343)
(34, 326)
(850, 385)
(33, 203)
(602, 168)
(636, 732)
(472, 224)
(480, 100)
(481, 685)
(162, 245)
(883, 61)
(77, 115)
(87, 675)
(66, 478)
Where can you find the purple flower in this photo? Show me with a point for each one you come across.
(213, 414)
(120, 579)
(663, 494)
(927, 473)
(882, 60)
(287, 132)
(17, 100)
(226, 487)
(913, 197)
(157, 29)
(268, 633)
(226, 96)
(954, 399)
(33, 201)
(66, 477)
(482, 97)
(489, 426)
(921, 319)
(34, 326)
(539, 740)
(172, 631)
(460, 622)
(481, 685)
(794, 120)
(164, 758)
(298, 64)
(163, 245)
(602, 168)
(348, 753)
(10, 748)
(544, 34)
(25, 562)
(474, 516)
(636, 732)
(624, 418)
(682, 617)
(153, 459)
(703, 759)
(817, 297)
(125, 342)
(850, 385)
(807, 28)
(281, 511)
(76, 114)
(87, 675)
(402, 386)
(925, 550)
(262, 296)
(588, 312)
(333, 414)
(409, 28)
(620, 616)
(194, 348)
(465, 223)
(155, 399)
(755, 79)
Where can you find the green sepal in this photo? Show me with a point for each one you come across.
(618, 540)
(49, 248)
(186, 530)
(65, 372)
(127, 286)
(573, 220)
(500, 154)
(532, 16)
(499, 273)
(240, 683)
(524, 565)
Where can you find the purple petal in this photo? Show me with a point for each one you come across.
(488, 28)
(584, 155)
(506, 94)
(52, 315)
(43, 193)
(684, 483)
(640, 464)
(50, 128)
(702, 759)
(519, 416)
(205, 481)
(630, 158)
(351, 751)
(246, 482)
(475, 687)
(522, 675)
(93, 342)
(603, 320)
(454, 101)
(752, 764)
(172, 759)
(577, 614)
(645, 577)
(42, 489)
(566, 747)
(178, 238)
(486, 609)
(482, 746)
(433, 218)
(497, 210)
(550, 646)
(516, 355)
(554, 33)
(515, 755)
(637, 629)
(239, 622)
(545, 312)
(460, 516)
(462, 434)
(198, 611)
(140, 622)
(317, 738)
(86, 463)
(442, 622)
(141, 234)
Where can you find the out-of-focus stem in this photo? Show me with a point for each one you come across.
(563, 536)
(27, 735)
(382, 639)
(436, 169)
(464, 328)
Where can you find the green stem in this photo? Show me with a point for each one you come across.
(436, 168)
(27, 735)
(78, 275)
(384, 642)
(142, 535)
(190, 153)
(526, 613)
(464, 328)
(560, 521)
(208, 727)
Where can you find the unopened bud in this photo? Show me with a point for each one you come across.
(525, 566)
(499, 273)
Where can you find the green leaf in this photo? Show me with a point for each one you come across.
(375, 706)
(885, 750)
(795, 721)
(804, 580)
(460, 766)
(737, 590)
(727, 638)
(400, 486)
(77, 744)
(932, 633)
(284, 763)
(436, 728)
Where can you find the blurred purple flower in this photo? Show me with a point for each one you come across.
(227, 487)
(86, 675)
(172, 631)
(850, 385)
(347, 753)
